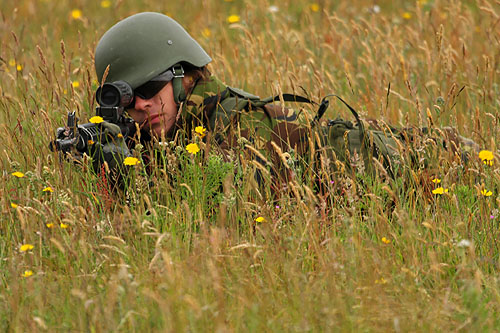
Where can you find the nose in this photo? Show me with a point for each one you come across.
(142, 104)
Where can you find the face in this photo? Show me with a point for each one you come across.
(156, 114)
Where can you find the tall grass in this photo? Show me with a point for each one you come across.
(183, 250)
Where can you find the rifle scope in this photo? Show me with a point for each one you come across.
(115, 94)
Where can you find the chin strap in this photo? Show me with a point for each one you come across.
(178, 87)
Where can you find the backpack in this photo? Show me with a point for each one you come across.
(343, 140)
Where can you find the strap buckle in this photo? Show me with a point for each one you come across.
(178, 71)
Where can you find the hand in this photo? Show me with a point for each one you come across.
(113, 148)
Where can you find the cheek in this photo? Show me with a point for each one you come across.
(171, 109)
(136, 115)
(167, 101)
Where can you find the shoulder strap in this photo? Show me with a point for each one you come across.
(258, 102)
(288, 98)
(245, 98)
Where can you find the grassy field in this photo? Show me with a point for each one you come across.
(371, 255)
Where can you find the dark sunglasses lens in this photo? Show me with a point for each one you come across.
(150, 89)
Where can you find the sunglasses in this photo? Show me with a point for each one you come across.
(152, 87)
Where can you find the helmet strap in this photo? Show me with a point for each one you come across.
(178, 87)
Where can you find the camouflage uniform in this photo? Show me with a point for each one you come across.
(273, 135)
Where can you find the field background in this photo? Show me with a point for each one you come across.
(371, 256)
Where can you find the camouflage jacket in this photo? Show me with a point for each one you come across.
(235, 119)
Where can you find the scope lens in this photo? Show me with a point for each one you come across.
(108, 95)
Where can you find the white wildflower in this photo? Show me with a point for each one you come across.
(464, 243)
(273, 9)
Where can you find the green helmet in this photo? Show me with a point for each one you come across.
(143, 46)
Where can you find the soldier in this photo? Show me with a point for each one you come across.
(174, 93)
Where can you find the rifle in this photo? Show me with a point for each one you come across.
(112, 98)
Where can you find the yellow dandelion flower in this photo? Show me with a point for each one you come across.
(96, 120)
(440, 190)
(314, 7)
(63, 225)
(131, 161)
(19, 68)
(233, 19)
(12, 63)
(406, 15)
(385, 240)
(119, 135)
(27, 273)
(381, 281)
(193, 148)
(201, 131)
(105, 4)
(18, 174)
(486, 156)
(75, 84)
(90, 142)
(260, 219)
(76, 13)
(206, 33)
(65, 91)
(436, 180)
(26, 247)
(13, 205)
(49, 225)
(48, 189)
(486, 193)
